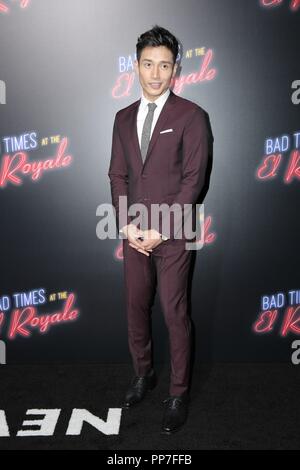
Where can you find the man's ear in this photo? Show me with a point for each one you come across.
(174, 70)
(136, 66)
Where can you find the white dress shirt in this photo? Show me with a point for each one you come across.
(143, 111)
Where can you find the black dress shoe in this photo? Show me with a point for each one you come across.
(138, 388)
(175, 413)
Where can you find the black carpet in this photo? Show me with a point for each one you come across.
(233, 406)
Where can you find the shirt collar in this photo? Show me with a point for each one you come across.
(159, 101)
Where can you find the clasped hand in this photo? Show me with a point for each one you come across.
(143, 241)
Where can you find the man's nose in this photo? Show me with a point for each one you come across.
(155, 72)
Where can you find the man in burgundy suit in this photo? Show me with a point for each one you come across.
(159, 155)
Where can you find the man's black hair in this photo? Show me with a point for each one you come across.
(157, 36)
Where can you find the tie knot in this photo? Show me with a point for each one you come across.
(152, 107)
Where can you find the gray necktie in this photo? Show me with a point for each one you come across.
(147, 130)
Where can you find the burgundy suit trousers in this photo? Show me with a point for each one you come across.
(167, 267)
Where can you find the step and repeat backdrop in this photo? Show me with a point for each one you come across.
(66, 68)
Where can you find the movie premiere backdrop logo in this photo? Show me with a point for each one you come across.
(16, 165)
(280, 314)
(35, 311)
(281, 159)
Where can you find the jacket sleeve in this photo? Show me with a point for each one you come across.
(194, 163)
(118, 174)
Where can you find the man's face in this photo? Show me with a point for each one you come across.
(155, 71)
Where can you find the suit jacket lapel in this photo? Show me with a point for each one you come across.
(162, 119)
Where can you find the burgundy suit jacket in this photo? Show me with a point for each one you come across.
(175, 165)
